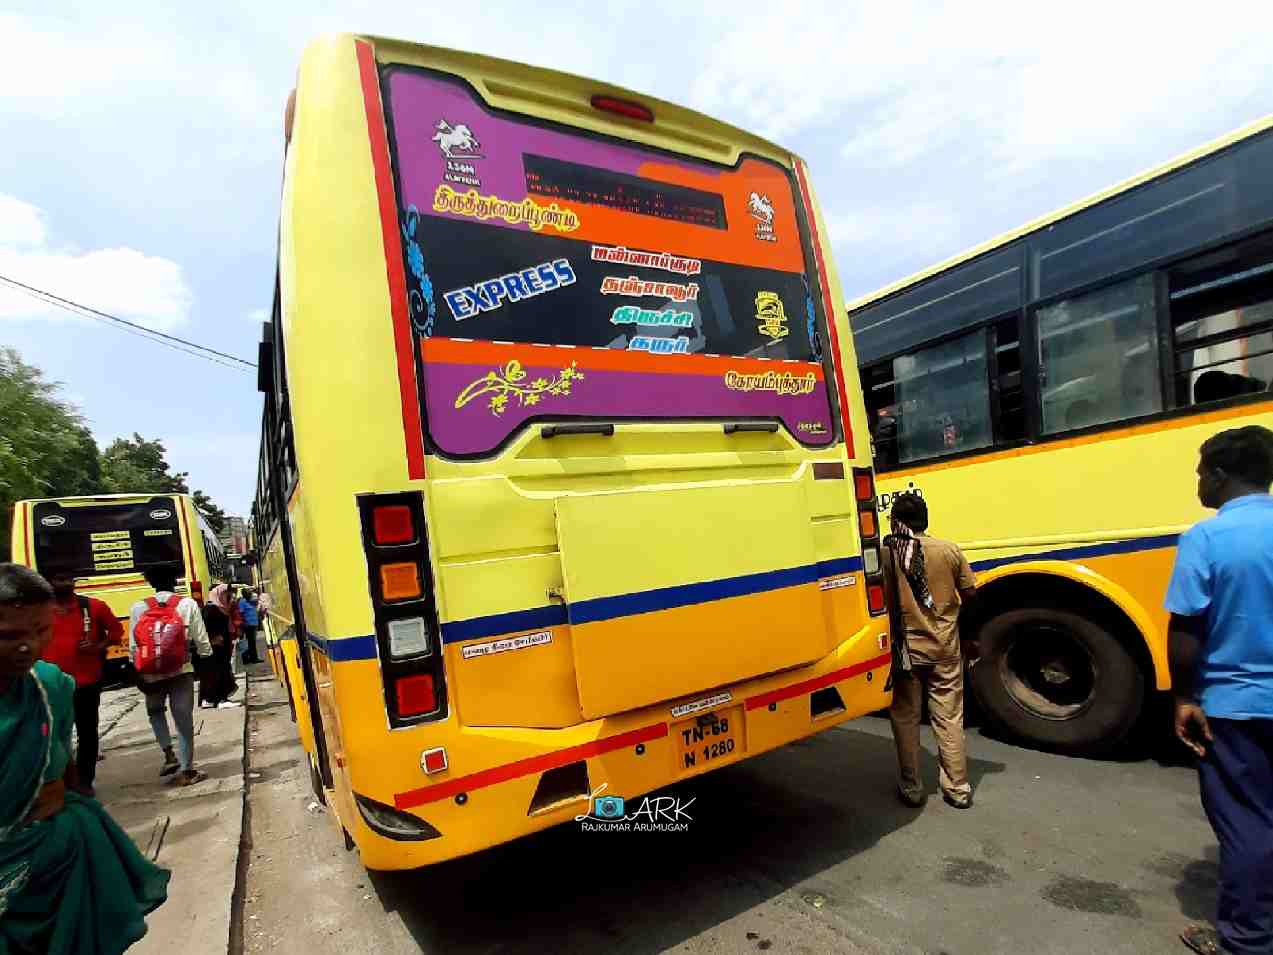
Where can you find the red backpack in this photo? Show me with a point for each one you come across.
(162, 649)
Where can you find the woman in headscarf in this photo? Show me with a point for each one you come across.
(216, 679)
(71, 881)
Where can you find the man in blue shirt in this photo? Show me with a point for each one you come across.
(1221, 648)
(251, 620)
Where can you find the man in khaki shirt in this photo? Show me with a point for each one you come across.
(928, 581)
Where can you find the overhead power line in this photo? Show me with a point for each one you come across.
(160, 338)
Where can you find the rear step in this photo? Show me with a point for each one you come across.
(825, 702)
(561, 785)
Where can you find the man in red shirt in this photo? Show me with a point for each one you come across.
(83, 628)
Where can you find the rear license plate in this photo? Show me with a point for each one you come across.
(705, 740)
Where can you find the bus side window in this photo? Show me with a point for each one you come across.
(1222, 320)
(1098, 354)
(1010, 395)
(881, 412)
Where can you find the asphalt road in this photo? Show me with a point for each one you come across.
(801, 850)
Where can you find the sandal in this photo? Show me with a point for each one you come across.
(1203, 939)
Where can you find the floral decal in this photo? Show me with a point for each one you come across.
(420, 295)
(510, 381)
(811, 325)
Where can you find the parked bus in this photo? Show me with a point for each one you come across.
(1047, 393)
(564, 490)
(108, 540)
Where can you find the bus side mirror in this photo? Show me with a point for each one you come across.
(265, 367)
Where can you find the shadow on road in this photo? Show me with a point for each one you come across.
(759, 829)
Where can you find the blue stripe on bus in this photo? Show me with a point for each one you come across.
(1087, 550)
(840, 565)
(498, 624)
(664, 598)
(341, 649)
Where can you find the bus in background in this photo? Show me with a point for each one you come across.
(108, 541)
(1047, 393)
(565, 483)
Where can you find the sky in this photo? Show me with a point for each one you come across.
(141, 149)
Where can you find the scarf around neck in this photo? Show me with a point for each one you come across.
(908, 555)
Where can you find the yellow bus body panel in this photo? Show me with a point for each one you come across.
(1103, 510)
(495, 525)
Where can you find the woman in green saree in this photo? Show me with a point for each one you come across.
(71, 881)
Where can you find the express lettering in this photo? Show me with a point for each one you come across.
(493, 293)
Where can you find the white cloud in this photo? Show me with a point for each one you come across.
(21, 224)
(147, 289)
(258, 315)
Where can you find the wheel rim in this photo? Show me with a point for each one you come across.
(1048, 671)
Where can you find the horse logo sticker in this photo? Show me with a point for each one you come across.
(761, 209)
(459, 147)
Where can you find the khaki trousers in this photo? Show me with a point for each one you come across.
(943, 683)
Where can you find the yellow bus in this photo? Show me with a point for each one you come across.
(1047, 393)
(564, 490)
(108, 540)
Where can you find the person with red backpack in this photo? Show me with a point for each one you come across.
(161, 631)
(83, 627)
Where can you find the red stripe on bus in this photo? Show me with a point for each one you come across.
(817, 683)
(524, 767)
(827, 305)
(403, 340)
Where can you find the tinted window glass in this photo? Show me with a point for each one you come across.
(965, 296)
(671, 288)
(1099, 357)
(1203, 204)
(1222, 313)
(94, 540)
(931, 403)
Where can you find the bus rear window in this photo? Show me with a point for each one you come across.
(553, 273)
(101, 539)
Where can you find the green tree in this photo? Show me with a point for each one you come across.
(214, 514)
(45, 449)
(138, 466)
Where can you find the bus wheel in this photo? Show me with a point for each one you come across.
(1057, 680)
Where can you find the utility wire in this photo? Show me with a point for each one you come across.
(171, 341)
(145, 335)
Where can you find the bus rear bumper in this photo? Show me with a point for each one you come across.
(504, 783)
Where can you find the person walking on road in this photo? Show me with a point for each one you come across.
(216, 679)
(1220, 643)
(171, 688)
(251, 620)
(83, 628)
(928, 580)
(71, 881)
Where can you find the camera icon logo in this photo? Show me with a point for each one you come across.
(607, 807)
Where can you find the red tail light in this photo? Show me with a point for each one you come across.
(624, 107)
(416, 694)
(392, 524)
(863, 486)
(875, 598)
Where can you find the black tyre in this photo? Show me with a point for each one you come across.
(1057, 680)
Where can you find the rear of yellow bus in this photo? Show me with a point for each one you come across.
(107, 542)
(585, 502)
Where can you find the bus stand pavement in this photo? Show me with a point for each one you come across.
(194, 831)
